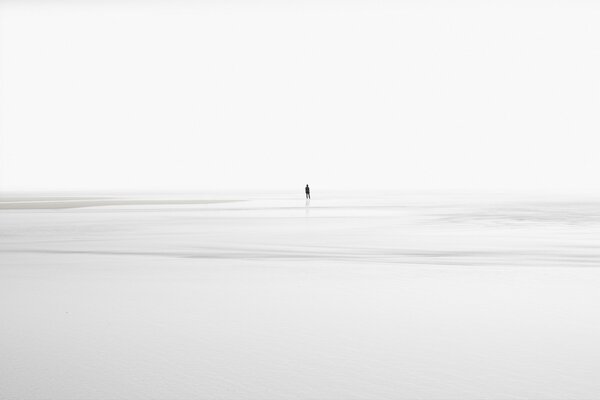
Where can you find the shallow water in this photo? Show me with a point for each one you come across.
(398, 229)
(348, 296)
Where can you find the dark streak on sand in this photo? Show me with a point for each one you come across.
(397, 256)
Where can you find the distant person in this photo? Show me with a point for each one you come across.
(307, 191)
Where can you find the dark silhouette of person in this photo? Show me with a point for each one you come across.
(307, 191)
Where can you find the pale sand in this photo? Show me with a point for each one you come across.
(274, 298)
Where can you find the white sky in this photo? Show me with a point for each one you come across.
(197, 95)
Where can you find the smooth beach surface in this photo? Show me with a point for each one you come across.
(268, 296)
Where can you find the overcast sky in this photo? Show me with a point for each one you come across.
(205, 95)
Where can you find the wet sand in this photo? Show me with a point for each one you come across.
(274, 297)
